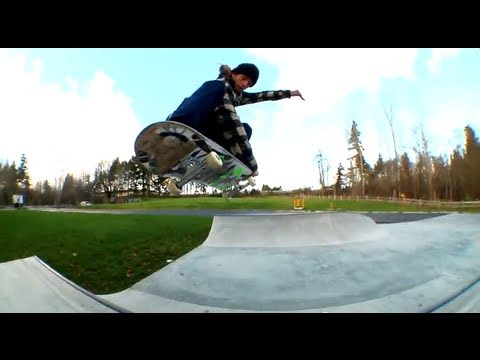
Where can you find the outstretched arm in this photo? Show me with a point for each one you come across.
(250, 98)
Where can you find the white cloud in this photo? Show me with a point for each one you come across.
(437, 56)
(59, 130)
(72, 83)
(286, 158)
(442, 127)
(259, 119)
(445, 129)
(325, 77)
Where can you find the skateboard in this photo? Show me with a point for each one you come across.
(181, 154)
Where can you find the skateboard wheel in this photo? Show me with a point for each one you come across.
(251, 181)
(213, 160)
(173, 188)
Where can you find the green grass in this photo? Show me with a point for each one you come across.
(102, 253)
(106, 253)
(277, 203)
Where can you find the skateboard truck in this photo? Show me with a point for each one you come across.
(212, 160)
(228, 193)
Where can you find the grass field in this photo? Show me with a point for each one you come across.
(100, 252)
(106, 253)
(277, 203)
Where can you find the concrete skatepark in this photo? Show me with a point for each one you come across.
(286, 262)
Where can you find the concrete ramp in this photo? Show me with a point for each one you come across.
(30, 286)
(291, 230)
(303, 262)
(332, 262)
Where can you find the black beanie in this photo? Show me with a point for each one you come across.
(249, 70)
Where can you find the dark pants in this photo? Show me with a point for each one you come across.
(248, 130)
(215, 133)
(227, 144)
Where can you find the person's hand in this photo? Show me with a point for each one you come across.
(255, 173)
(297, 93)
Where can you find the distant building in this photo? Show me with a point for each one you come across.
(17, 200)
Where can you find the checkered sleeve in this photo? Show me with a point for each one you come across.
(272, 95)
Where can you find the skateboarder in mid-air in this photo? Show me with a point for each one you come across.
(211, 110)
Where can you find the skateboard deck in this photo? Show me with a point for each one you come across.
(181, 154)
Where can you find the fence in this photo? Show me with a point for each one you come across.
(418, 202)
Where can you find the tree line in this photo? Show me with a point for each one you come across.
(453, 177)
(111, 181)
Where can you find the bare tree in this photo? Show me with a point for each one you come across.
(428, 162)
(389, 116)
(423, 166)
(57, 189)
(323, 168)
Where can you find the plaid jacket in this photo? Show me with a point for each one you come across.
(213, 105)
(230, 121)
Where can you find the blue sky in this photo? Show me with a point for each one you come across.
(69, 109)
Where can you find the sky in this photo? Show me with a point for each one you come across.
(69, 109)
